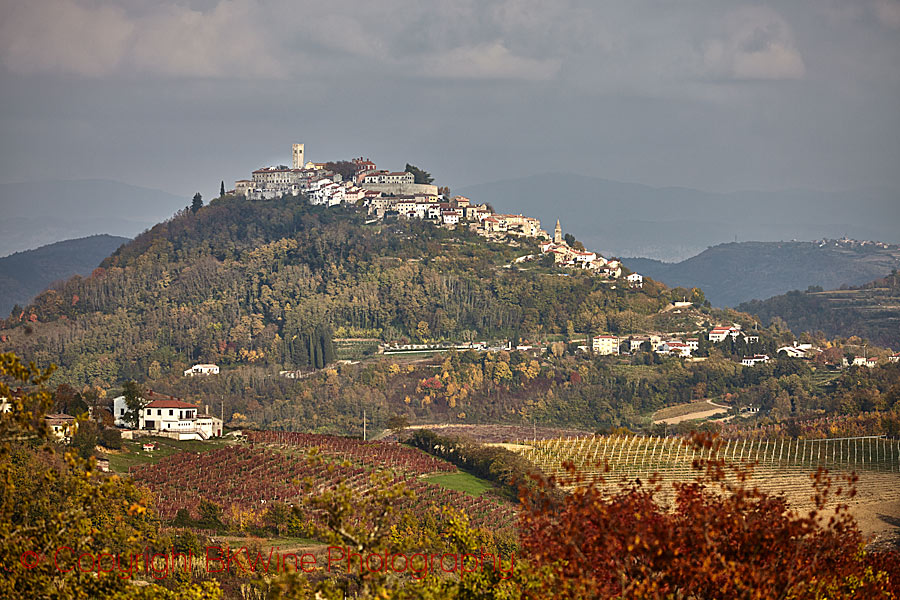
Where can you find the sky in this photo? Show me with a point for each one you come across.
(718, 95)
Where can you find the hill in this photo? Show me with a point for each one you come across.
(871, 311)
(266, 283)
(40, 213)
(671, 223)
(25, 274)
(739, 272)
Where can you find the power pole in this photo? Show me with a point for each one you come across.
(364, 424)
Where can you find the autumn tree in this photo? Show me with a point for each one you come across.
(134, 403)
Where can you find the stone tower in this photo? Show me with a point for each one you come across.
(557, 234)
(298, 156)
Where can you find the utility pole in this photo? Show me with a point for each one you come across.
(364, 424)
(223, 414)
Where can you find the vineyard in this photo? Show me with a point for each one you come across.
(780, 465)
(372, 454)
(249, 477)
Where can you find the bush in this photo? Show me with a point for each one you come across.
(111, 438)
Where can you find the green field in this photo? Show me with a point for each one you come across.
(132, 454)
(461, 482)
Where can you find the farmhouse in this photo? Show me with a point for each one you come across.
(170, 417)
(62, 426)
(756, 359)
(202, 369)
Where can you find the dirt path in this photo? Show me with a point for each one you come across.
(714, 409)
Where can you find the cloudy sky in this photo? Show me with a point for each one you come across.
(713, 94)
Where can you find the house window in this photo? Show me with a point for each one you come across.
(158, 412)
(171, 412)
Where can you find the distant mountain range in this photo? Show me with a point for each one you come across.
(739, 272)
(871, 311)
(672, 224)
(40, 213)
(25, 274)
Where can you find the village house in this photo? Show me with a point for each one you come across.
(62, 426)
(894, 358)
(636, 343)
(450, 218)
(635, 280)
(605, 344)
(756, 359)
(202, 369)
(719, 334)
(169, 417)
(674, 348)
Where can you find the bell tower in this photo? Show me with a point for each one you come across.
(298, 156)
(557, 234)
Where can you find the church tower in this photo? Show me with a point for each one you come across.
(557, 234)
(298, 156)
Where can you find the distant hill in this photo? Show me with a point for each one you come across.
(672, 224)
(871, 311)
(739, 272)
(40, 213)
(25, 274)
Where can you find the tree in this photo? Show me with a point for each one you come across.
(222, 188)
(419, 175)
(197, 203)
(397, 424)
(345, 168)
(111, 438)
(134, 403)
(720, 540)
(86, 437)
(569, 239)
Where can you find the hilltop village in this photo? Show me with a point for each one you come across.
(389, 195)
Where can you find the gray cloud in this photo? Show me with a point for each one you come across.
(717, 94)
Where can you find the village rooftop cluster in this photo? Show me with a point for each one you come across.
(395, 194)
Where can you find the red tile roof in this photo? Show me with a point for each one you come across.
(170, 404)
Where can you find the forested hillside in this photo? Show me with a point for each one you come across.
(25, 274)
(871, 311)
(267, 283)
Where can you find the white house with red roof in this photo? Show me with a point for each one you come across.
(170, 417)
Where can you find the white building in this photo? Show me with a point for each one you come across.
(635, 280)
(756, 359)
(450, 218)
(62, 426)
(202, 369)
(170, 417)
(605, 344)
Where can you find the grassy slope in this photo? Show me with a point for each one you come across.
(461, 482)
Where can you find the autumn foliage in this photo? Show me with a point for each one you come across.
(719, 540)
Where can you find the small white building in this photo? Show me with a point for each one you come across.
(605, 344)
(202, 369)
(62, 426)
(756, 359)
(635, 280)
(894, 358)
